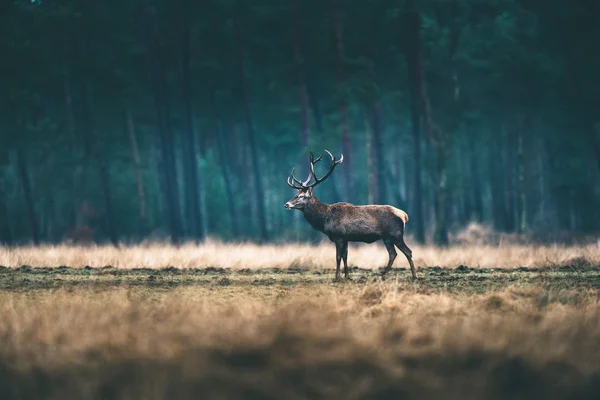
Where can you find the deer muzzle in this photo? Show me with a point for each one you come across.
(288, 205)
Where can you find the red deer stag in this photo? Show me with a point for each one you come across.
(345, 222)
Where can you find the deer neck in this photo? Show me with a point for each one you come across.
(315, 213)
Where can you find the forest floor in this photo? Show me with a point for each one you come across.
(159, 331)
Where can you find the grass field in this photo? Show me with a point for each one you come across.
(247, 321)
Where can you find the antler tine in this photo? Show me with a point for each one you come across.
(295, 180)
(334, 162)
(295, 183)
(291, 184)
(311, 172)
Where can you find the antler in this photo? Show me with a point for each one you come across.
(306, 184)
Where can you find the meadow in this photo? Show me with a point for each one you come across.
(219, 320)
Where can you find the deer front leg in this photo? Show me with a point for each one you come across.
(339, 247)
(345, 258)
(389, 245)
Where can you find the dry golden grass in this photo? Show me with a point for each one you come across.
(311, 342)
(292, 333)
(320, 256)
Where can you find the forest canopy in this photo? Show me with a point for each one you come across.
(124, 120)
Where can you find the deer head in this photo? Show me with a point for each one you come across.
(304, 195)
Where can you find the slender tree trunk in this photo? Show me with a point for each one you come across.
(98, 154)
(74, 177)
(585, 110)
(497, 181)
(440, 136)
(378, 153)
(464, 204)
(258, 186)
(70, 114)
(440, 236)
(250, 201)
(165, 132)
(223, 137)
(522, 197)
(313, 101)
(303, 99)
(224, 157)
(594, 142)
(106, 190)
(541, 157)
(137, 168)
(301, 79)
(413, 59)
(477, 199)
(26, 184)
(346, 143)
(509, 169)
(371, 166)
(193, 204)
(6, 235)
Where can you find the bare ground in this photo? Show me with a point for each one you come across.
(460, 279)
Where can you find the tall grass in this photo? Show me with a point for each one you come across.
(319, 256)
(349, 342)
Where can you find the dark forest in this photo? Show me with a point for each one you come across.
(126, 120)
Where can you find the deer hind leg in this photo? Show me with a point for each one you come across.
(389, 245)
(408, 253)
(345, 258)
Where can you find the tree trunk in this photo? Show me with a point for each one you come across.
(137, 168)
(301, 79)
(477, 199)
(6, 236)
(413, 59)
(378, 153)
(542, 168)
(258, 187)
(165, 132)
(497, 181)
(509, 173)
(522, 198)
(26, 184)
(440, 235)
(223, 137)
(463, 202)
(107, 194)
(70, 114)
(193, 204)
(303, 99)
(98, 154)
(346, 143)
(313, 101)
(224, 157)
(371, 166)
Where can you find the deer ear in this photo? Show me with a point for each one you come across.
(309, 191)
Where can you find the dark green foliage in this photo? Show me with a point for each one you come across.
(517, 148)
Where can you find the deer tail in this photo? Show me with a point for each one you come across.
(402, 215)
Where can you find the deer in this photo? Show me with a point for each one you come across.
(345, 222)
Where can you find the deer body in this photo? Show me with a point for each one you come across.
(345, 222)
(355, 223)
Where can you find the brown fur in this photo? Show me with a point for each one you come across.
(345, 222)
